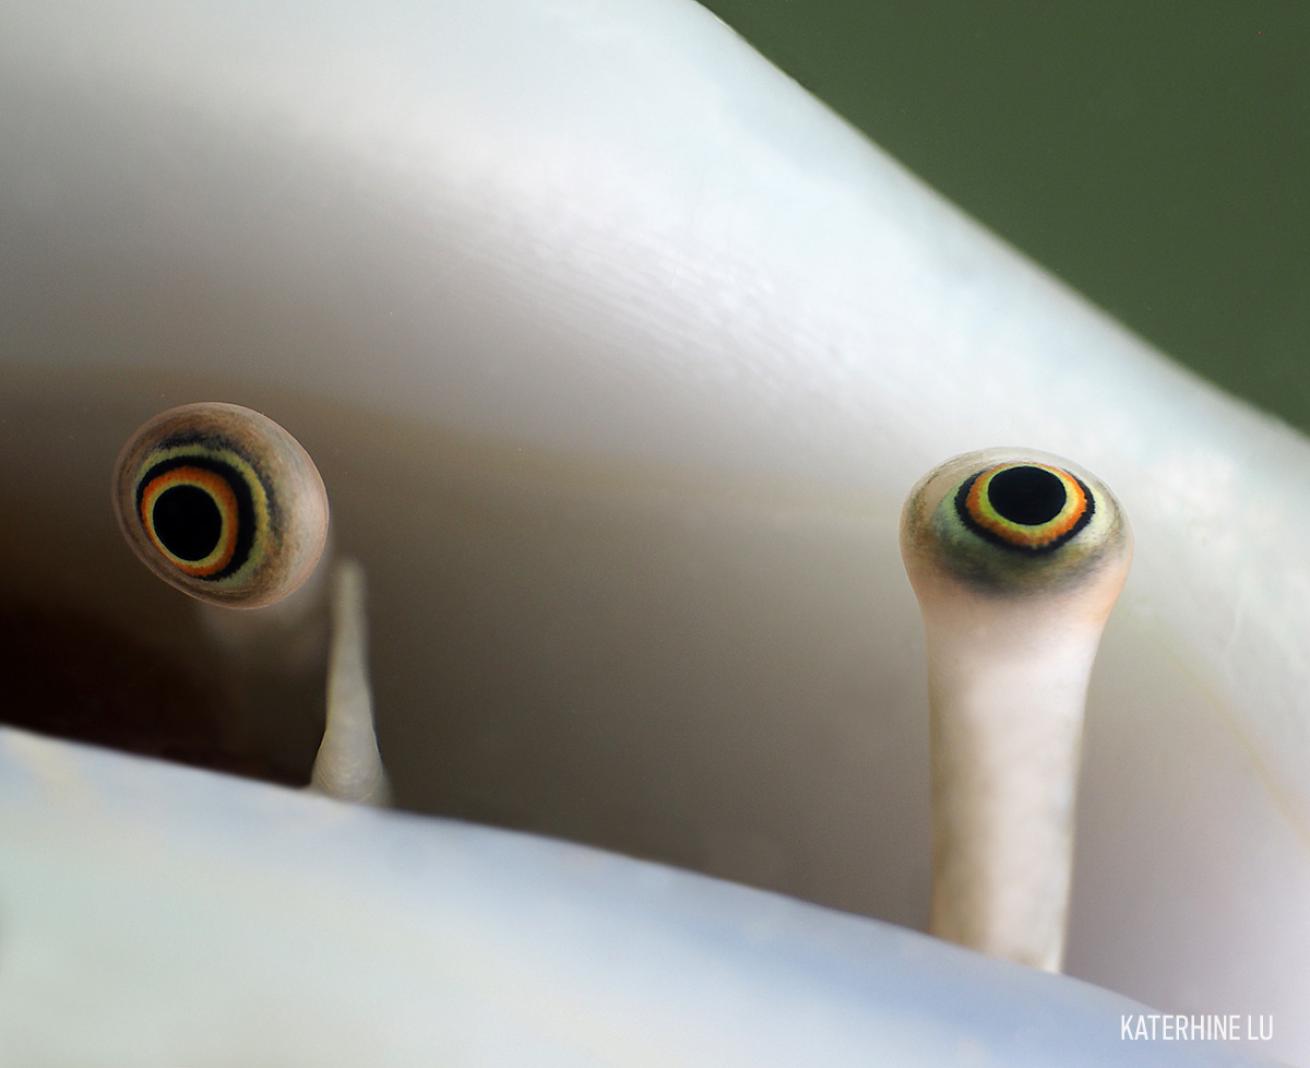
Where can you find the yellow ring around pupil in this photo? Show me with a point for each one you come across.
(253, 516)
(1034, 535)
(216, 488)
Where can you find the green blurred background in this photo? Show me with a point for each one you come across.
(1153, 154)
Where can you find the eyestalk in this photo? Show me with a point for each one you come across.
(1017, 558)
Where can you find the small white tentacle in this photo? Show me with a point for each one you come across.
(349, 766)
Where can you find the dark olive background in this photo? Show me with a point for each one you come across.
(1154, 155)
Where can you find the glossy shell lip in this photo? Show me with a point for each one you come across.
(295, 525)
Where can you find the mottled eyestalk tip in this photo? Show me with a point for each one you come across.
(1017, 558)
(221, 503)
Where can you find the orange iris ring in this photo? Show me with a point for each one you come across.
(1026, 536)
(219, 492)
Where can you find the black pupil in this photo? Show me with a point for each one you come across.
(187, 522)
(1026, 495)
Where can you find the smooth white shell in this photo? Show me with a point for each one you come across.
(166, 917)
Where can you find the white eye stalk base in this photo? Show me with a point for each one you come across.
(1008, 670)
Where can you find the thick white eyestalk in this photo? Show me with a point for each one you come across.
(1017, 558)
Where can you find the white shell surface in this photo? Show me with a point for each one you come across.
(161, 916)
(618, 354)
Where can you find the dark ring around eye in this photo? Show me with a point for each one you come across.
(1026, 507)
(198, 512)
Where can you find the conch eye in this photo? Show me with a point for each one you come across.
(1014, 521)
(222, 503)
(1028, 507)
